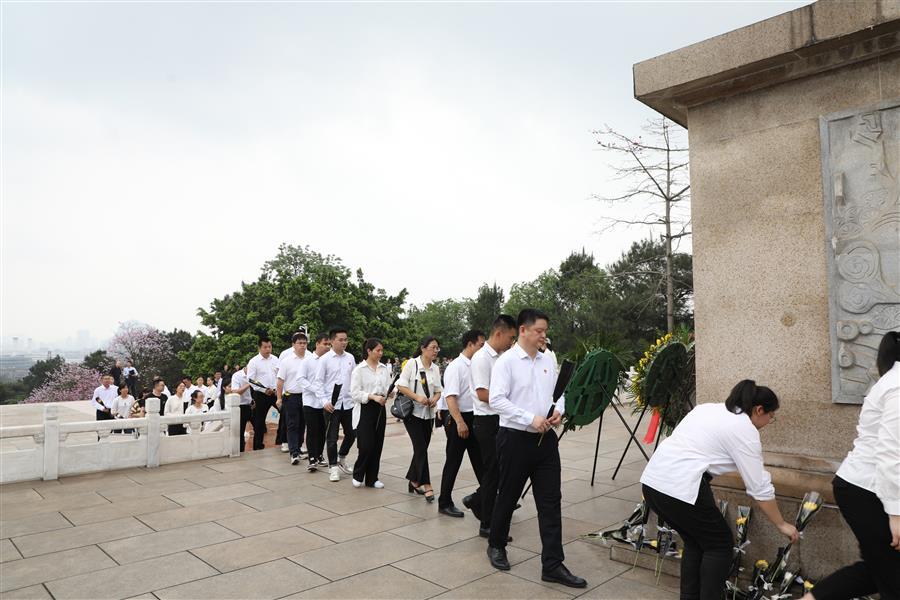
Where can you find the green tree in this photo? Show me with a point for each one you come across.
(487, 304)
(13, 392)
(99, 361)
(40, 372)
(638, 281)
(444, 319)
(299, 287)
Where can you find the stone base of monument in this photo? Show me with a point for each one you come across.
(646, 559)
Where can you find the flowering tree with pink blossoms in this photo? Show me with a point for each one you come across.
(68, 383)
(145, 345)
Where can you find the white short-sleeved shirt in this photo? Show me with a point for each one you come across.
(410, 378)
(239, 380)
(263, 370)
(458, 382)
(874, 462)
(522, 387)
(107, 396)
(293, 370)
(333, 369)
(482, 365)
(710, 439)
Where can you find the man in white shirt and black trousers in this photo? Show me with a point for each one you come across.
(522, 385)
(335, 368)
(486, 420)
(261, 371)
(292, 384)
(457, 404)
(103, 398)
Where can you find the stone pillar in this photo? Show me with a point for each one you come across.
(51, 442)
(791, 135)
(235, 435)
(153, 432)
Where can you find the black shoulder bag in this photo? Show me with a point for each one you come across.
(403, 405)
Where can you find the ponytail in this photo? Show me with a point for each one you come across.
(746, 395)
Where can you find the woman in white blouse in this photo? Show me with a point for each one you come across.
(867, 489)
(421, 368)
(121, 408)
(197, 407)
(711, 440)
(369, 383)
(212, 392)
(175, 406)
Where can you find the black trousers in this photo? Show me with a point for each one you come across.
(520, 457)
(281, 433)
(485, 429)
(292, 412)
(419, 431)
(103, 415)
(879, 569)
(264, 403)
(177, 429)
(341, 418)
(370, 436)
(456, 448)
(315, 432)
(708, 542)
(246, 415)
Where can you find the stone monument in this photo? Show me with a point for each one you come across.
(794, 129)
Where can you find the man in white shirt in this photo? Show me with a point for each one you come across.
(189, 389)
(103, 398)
(335, 369)
(292, 383)
(241, 385)
(312, 407)
(486, 420)
(281, 436)
(458, 418)
(261, 372)
(522, 383)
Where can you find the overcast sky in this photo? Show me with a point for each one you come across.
(154, 155)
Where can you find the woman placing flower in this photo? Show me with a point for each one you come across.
(711, 440)
(867, 489)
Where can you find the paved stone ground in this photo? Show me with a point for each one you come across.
(257, 527)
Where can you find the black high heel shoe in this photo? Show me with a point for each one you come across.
(429, 496)
(412, 489)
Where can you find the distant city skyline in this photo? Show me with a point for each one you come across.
(154, 155)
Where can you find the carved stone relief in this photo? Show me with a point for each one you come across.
(861, 175)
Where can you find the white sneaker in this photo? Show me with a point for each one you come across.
(295, 460)
(378, 485)
(357, 484)
(335, 474)
(342, 464)
(285, 447)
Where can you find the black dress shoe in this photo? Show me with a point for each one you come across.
(485, 532)
(451, 511)
(475, 507)
(562, 575)
(498, 558)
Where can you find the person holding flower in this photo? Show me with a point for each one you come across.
(867, 489)
(712, 439)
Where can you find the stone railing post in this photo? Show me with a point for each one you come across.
(235, 435)
(51, 442)
(152, 409)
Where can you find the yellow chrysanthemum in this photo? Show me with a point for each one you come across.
(807, 585)
(762, 564)
(810, 506)
(741, 520)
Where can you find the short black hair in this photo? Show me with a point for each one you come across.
(503, 321)
(746, 395)
(157, 380)
(888, 352)
(263, 339)
(123, 385)
(322, 337)
(334, 331)
(471, 337)
(299, 337)
(529, 316)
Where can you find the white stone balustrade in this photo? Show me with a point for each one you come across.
(50, 456)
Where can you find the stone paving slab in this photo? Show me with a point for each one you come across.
(8, 551)
(14, 527)
(47, 567)
(114, 510)
(358, 555)
(255, 522)
(256, 549)
(224, 492)
(83, 535)
(384, 583)
(360, 524)
(142, 547)
(33, 592)
(500, 586)
(127, 581)
(191, 515)
(269, 580)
